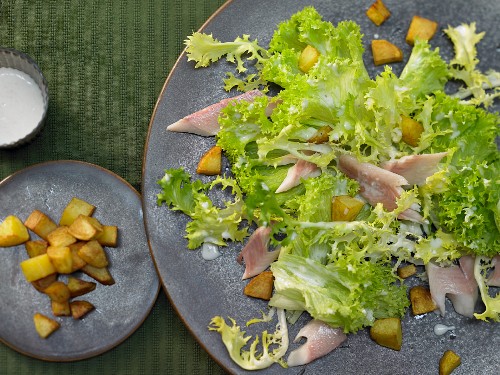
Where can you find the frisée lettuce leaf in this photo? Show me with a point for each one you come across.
(209, 224)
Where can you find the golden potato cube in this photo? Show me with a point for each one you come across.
(85, 228)
(420, 28)
(108, 236)
(211, 162)
(308, 57)
(321, 136)
(44, 325)
(411, 130)
(75, 208)
(387, 332)
(78, 262)
(261, 286)
(61, 308)
(60, 237)
(37, 267)
(61, 258)
(345, 208)
(101, 275)
(378, 12)
(44, 282)
(80, 308)
(58, 291)
(449, 362)
(93, 253)
(384, 52)
(13, 232)
(40, 223)
(36, 247)
(421, 300)
(78, 287)
(407, 271)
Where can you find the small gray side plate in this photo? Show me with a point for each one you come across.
(120, 308)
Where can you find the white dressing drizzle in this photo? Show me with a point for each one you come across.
(441, 329)
(209, 251)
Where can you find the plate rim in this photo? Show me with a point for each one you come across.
(171, 73)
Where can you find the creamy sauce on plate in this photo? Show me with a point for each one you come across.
(21, 105)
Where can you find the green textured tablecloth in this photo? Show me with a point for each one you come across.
(105, 62)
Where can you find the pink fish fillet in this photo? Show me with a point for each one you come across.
(321, 340)
(205, 121)
(415, 168)
(377, 185)
(494, 279)
(455, 282)
(255, 254)
(301, 169)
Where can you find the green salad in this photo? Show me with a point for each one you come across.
(343, 272)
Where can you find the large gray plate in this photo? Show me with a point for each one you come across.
(200, 290)
(120, 308)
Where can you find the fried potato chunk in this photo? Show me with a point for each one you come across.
(108, 236)
(13, 232)
(211, 162)
(80, 308)
(421, 300)
(93, 253)
(37, 267)
(60, 237)
(407, 271)
(449, 362)
(61, 308)
(85, 228)
(36, 247)
(78, 287)
(378, 12)
(101, 275)
(44, 325)
(44, 282)
(420, 28)
(78, 262)
(40, 223)
(387, 332)
(345, 208)
(261, 286)
(308, 57)
(58, 291)
(322, 135)
(411, 130)
(384, 52)
(75, 208)
(61, 258)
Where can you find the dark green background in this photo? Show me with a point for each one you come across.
(106, 63)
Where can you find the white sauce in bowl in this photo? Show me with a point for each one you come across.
(21, 105)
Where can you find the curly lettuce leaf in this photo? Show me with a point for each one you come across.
(204, 49)
(464, 200)
(347, 297)
(425, 72)
(274, 345)
(217, 225)
(464, 66)
(491, 303)
(179, 193)
(209, 224)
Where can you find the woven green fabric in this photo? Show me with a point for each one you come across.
(106, 63)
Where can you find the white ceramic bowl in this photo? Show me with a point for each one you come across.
(11, 58)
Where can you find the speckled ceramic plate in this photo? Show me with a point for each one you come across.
(200, 290)
(120, 308)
